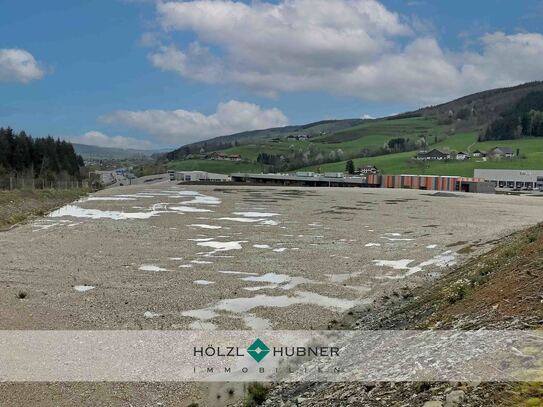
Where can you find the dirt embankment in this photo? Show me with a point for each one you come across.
(502, 289)
(18, 206)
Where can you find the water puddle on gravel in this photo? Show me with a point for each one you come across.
(151, 315)
(241, 307)
(281, 281)
(442, 260)
(204, 282)
(83, 288)
(202, 226)
(221, 246)
(151, 268)
(239, 273)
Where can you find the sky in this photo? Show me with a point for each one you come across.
(159, 73)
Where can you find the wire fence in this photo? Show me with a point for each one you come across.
(9, 183)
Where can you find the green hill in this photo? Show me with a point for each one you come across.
(389, 143)
(531, 157)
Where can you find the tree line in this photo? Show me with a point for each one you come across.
(525, 119)
(44, 158)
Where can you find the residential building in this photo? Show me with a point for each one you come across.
(461, 156)
(368, 169)
(478, 154)
(433, 155)
(501, 152)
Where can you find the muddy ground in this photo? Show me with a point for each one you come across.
(208, 257)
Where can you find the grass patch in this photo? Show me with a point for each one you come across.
(18, 206)
(256, 395)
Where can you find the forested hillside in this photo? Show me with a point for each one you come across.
(525, 119)
(43, 158)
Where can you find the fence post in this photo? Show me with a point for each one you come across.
(10, 183)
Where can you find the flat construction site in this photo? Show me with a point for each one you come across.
(177, 257)
(171, 256)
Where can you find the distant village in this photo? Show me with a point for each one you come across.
(442, 155)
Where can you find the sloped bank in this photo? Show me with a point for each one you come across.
(502, 289)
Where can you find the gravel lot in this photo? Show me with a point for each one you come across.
(229, 257)
(155, 258)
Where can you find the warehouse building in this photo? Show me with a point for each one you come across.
(512, 179)
(433, 183)
(198, 176)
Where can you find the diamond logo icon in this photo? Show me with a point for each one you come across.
(258, 350)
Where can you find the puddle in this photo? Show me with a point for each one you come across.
(241, 307)
(151, 268)
(222, 246)
(204, 282)
(83, 288)
(256, 214)
(203, 314)
(44, 225)
(202, 226)
(189, 209)
(240, 273)
(243, 220)
(151, 315)
(200, 199)
(269, 278)
(394, 239)
(77, 212)
(442, 260)
(282, 281)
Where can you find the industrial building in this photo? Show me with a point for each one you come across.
(198, 176)
(432, 183)
(513, 179)
(420, 182)
(308, 179)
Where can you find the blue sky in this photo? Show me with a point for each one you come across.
(138, 73)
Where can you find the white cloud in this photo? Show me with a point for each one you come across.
(182, 126)
(96, 138)
(350, 47)
(18, 65)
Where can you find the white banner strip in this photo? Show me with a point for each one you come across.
(312, 356)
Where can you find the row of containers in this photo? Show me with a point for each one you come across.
(424, 182)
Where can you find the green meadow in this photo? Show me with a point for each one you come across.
(531, 157)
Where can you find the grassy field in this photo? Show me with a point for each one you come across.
(17, 206)
(220, 167)
(370, 135)
(403, 163)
